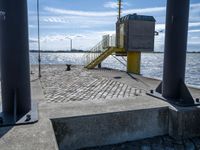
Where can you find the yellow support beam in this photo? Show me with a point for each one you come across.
(133, 62)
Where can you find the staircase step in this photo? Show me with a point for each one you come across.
(101, 57)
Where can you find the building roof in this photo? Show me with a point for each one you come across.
(137, 17)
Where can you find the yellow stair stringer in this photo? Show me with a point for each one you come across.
(103, 56)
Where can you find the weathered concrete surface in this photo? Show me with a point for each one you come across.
(41, 135)
(38, 136)
(184, 122)
(110, 128)
(156, 143)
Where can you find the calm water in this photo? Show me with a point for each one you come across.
(152, 64)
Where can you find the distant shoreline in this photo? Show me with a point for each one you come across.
(47, 51)
(35, 51)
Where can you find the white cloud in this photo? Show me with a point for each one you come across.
(112, 13)
(106, 32)
(160, 27)
(111, 5)
(33, 40)
(144, 10)
(114, 5)
(55, 18)
(79, 12)
(59, 41)
(195, 5)
(78, 21)
(32, 26)
(101, 14)
(194, 43)
(194, 24)
(195, 37)
(194, 31)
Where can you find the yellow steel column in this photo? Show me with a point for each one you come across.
(133, 62)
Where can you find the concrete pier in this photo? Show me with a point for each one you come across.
(88, 108)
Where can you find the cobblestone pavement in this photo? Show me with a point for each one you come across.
(62, 86)
(79, 84)
(157, 143)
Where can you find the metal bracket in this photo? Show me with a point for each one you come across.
(185, 98)
(10, 120)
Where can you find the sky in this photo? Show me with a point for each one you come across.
(86, 21)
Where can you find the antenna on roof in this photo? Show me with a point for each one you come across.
(119, 8)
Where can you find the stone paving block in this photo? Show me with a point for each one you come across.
(76, 85)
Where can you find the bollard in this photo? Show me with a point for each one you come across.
(68, 67)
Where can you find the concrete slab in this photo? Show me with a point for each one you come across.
(103, 120)
(38, 136)
(110, 128)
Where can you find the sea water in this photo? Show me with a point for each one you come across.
(151, 63)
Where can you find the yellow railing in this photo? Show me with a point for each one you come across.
(98, 49)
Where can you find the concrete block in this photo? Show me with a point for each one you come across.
(184, 122)
(110, 128)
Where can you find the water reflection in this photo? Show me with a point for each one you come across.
(152, 64)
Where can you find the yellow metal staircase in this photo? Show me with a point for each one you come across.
(107, 47)
(101, 51)
(102, 56)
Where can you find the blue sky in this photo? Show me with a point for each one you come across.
(85, 21)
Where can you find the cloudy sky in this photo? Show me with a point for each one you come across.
(85, 21)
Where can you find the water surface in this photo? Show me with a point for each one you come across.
(152, 64)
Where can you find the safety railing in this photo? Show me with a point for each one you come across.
(99, 48)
